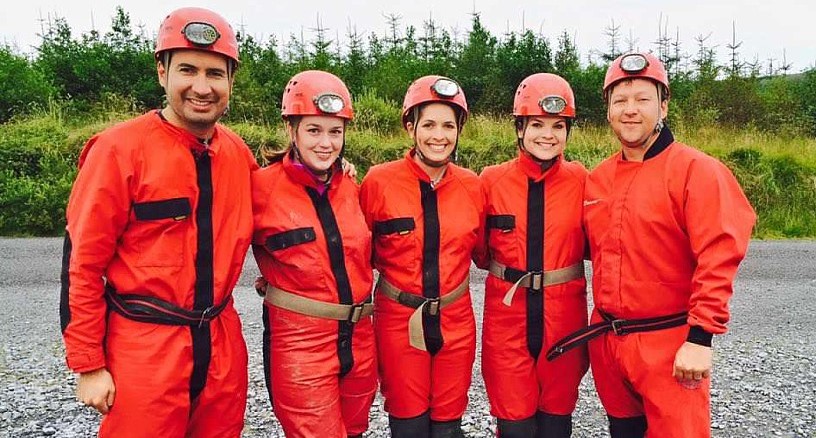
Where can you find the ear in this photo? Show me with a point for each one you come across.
(664, 109)
(161, 71)
(290, 130)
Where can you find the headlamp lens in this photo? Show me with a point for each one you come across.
(201, 34)
(445, 88)
(553, 104)
(329, 103)
(634, 63)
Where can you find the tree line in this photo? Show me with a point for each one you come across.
(83, 72)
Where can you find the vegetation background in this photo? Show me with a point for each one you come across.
(760, 119)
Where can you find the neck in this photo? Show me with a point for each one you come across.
(434, 173)
(200, 130)
(636, 152)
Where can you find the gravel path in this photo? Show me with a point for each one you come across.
(764, 382)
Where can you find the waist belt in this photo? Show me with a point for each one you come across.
(416, 334)
(154, 310)
(619, 327)
(320, 309)
(534, 280)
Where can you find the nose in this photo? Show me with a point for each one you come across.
(630, 107)
(201, 85)
(438, 133)
(548, 132)
(325, 141)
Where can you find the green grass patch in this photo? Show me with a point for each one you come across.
(38, 160)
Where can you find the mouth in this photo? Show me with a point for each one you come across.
(436, 147)
(200, 103)
(323, 155)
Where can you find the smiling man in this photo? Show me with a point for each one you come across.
(667, 226)
(158, 224)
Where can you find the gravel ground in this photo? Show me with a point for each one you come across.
(764, 382)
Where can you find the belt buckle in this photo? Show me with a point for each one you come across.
(617, 326)
(536, 280)
(355, 313)
(432, 306)
(205, 315)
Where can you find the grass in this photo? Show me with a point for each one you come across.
(38, 155)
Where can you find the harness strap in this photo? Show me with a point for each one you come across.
(534, 280)
(617, 326)
(416, 334)
(352, 313)
(144, 308)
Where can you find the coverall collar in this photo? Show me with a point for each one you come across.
(420, 172)
(186, 138)
(301, 175)
(532, 168)
(661, 143)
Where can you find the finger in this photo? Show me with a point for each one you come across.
(111, 397)
(697, 375)
(706, 374)
(100, 405)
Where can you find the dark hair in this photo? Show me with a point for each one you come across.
(416, 113)
(165, 57)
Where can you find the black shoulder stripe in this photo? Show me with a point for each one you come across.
(501, 221)
(165, 209)
(396, 225)
(290, 238)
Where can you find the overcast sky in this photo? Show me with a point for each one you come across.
(766, 28)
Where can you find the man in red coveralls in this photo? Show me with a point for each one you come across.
(159, 222)
(668, 226)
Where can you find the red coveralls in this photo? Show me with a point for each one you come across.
(157, 214)
(321, 373)
(666, 236)
(519, 380)
(426, 232)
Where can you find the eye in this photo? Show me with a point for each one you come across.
(536, 125)
(313, 131)
(217, 74)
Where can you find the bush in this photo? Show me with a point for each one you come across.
(376, 114)
(21, 87)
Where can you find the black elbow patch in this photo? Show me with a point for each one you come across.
(65, 310)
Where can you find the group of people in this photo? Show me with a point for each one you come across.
(166, 205)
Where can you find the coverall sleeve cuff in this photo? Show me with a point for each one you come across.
(83, 363)
(699, 336)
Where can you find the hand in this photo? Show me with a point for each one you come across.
(692, 362)
(260, 285)
(96, 389)
(348, 168)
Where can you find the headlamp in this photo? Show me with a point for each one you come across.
(634, 63)
(201, 34)
(329, 103)
(553, 104)
(445, 88)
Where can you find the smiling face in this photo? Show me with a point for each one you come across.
(634, 110)
(319, 140)
(544, 137)
(198, 86)
(435, 132)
